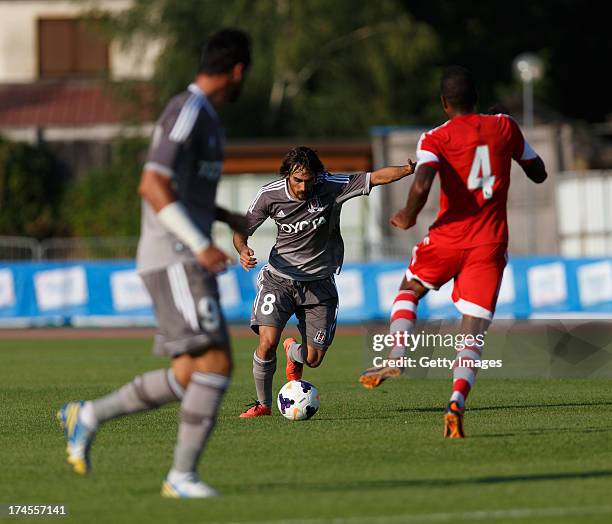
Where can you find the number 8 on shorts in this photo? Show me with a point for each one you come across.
(267, 305)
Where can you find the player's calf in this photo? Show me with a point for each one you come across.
(264, 367)
(199, 408)
(403, 318)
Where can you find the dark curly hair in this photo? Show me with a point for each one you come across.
(458, 87)
(302, 158)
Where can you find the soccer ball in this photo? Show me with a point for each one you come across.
(298, 400)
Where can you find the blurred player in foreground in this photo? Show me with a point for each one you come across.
(177, 261)
(469, 239)
(299, 276)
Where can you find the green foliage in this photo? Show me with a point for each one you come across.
(319, 68)
(106, 201)
(31, 185)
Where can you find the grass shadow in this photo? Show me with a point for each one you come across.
(365, 485)
(438, 409)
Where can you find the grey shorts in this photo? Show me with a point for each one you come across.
(315, 304)
(189, 316)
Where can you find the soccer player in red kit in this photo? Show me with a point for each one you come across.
(468, 241)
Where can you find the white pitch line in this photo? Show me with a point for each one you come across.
(493, 514)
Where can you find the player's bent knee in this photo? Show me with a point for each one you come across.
(415, 286)
(216, 359)
(314, 357)
(182, 367)
(266, 348)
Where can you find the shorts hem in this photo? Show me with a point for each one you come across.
(255, 326)
(188, 345)
(317, 346)
(411, 276)
(474, 310)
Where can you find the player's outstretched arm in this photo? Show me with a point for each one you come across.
(156, 189)
(535, 169)
(247, 260)
(236, 221)
(386, 175)
(406, 217)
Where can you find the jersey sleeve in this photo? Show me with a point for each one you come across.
(257, 212)
(521, 150)
(163, 149)
(350, 185)
(427, 151)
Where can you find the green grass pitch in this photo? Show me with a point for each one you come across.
(537, 450)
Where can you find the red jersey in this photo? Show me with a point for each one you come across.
(472, 154)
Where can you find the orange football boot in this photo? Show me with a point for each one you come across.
(256, 409)
(293, 369)
(453, 421)
(373, 377)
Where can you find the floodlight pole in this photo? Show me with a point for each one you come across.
(528, 103)
(528, 68)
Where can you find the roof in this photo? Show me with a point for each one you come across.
(65, 104)
(265, 156)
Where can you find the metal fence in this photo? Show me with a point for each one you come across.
(88, 248)
(29, 249)
(19, 248)
(15, 249)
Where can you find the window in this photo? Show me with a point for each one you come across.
(71, 47)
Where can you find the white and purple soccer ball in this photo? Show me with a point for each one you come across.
(298, 400)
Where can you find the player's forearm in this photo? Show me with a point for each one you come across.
(222, 214)
(387, 175)
(416, 202)
(417, 197)
(240, 241)
(535, 170)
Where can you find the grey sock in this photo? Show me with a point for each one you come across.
(198, 415)
(147, 391)
(297, 353)
(263, 373)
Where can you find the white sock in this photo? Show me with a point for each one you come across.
(87, 416)
(458, 397)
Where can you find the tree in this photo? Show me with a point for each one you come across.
(106, 201)
(320, 68)
(31, 186)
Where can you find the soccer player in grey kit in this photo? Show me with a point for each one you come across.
(177, 261)
(299, 276)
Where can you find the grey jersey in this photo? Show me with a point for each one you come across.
(187, 145)
(308, 243)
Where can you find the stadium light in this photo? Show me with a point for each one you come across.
(528, 68)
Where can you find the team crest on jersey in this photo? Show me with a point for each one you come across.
(315, 206)
(320, 337)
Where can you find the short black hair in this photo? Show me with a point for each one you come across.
(303, 158)
(497, 109)
(457, 86)
(223, 50)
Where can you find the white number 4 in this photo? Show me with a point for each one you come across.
(482, 163)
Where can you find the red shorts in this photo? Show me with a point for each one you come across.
(477, 272)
